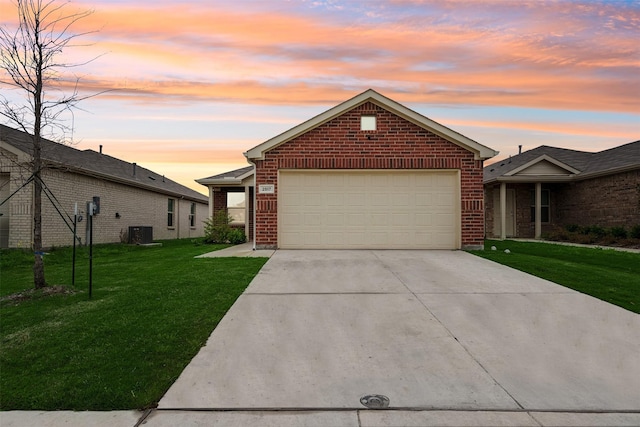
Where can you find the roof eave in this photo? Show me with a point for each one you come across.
(222, 182)
(611, 171)
(530, 179)
(114, 178)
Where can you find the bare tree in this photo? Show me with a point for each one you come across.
(29, 58)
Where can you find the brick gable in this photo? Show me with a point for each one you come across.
(396, 144)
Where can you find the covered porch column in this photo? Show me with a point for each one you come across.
(503, 211)
(538, 209)
(211, 201)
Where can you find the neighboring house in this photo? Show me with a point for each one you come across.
(368, 173)
(130, 196)
(547, 187)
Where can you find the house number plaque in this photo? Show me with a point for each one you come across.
(266, 188)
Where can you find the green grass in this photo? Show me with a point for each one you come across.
(609, 275)
(152, 309)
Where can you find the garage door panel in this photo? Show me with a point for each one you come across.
(356, 219)
(400, 199)
(313, 199)
(379, 219)
(424, 219)
(335, 220)
(334, 239)
(423, 199)
(356, 239)
(335, 200)
(443, 220)
(368, 209)
(400, 219)
(290, 220)
(355, 200)
(313, 219)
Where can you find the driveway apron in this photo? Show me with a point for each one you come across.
(427, 329)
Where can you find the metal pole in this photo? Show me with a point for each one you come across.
(75, 228)
(90, 249)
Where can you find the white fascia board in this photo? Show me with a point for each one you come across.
(541, 159)
(481, 152)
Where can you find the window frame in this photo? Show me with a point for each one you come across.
(544, 208)
(192, 215)
(171, 210)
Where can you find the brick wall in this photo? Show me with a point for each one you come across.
(607, 201)
(396, 144)
(135, 206)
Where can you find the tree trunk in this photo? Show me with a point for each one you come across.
(38, 265)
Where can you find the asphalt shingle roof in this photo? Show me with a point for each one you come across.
(624, 156)
(90, 162)
(237, 173)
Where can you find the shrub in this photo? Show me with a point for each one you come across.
(216, 228)
(596, 230)
(237, 236)
(618, 232)
(635, 232)
(573, 228)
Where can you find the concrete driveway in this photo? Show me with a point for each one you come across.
(431, 330)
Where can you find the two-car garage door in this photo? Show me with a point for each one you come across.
(368, 209)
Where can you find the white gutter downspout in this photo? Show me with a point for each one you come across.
(255, 191)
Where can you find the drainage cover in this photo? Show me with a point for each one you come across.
(375, 401)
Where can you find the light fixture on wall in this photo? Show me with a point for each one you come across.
(117, 215)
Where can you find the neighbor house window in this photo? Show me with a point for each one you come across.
(192, 216)
(367, 122)
(544, 206)
(170, 212)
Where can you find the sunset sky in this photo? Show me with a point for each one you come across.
(193, 84)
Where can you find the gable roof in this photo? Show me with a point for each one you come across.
(577, 164)
(234, 177)
(481, 151)
(92, 163)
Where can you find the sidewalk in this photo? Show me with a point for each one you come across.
(319, 418)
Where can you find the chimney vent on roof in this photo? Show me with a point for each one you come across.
(100, 148)
(134, 169)
(519, 149)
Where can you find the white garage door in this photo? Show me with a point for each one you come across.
(368, 209)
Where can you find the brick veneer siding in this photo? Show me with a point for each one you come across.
(608, 201)
(136, 206)
(396, 144)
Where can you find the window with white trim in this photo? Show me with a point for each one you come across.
(171, 205)
(192, 215)
(544, 206)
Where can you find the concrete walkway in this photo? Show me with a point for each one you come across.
(243, 250)
(447, 337)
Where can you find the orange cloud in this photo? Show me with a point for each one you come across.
(524, 54)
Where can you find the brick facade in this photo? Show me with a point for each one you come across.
(608, 201)
(134, 206)
(396, 144)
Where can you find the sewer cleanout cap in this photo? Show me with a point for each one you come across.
(375, 401)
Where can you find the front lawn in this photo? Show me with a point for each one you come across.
(152, 309)
(609, 275)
